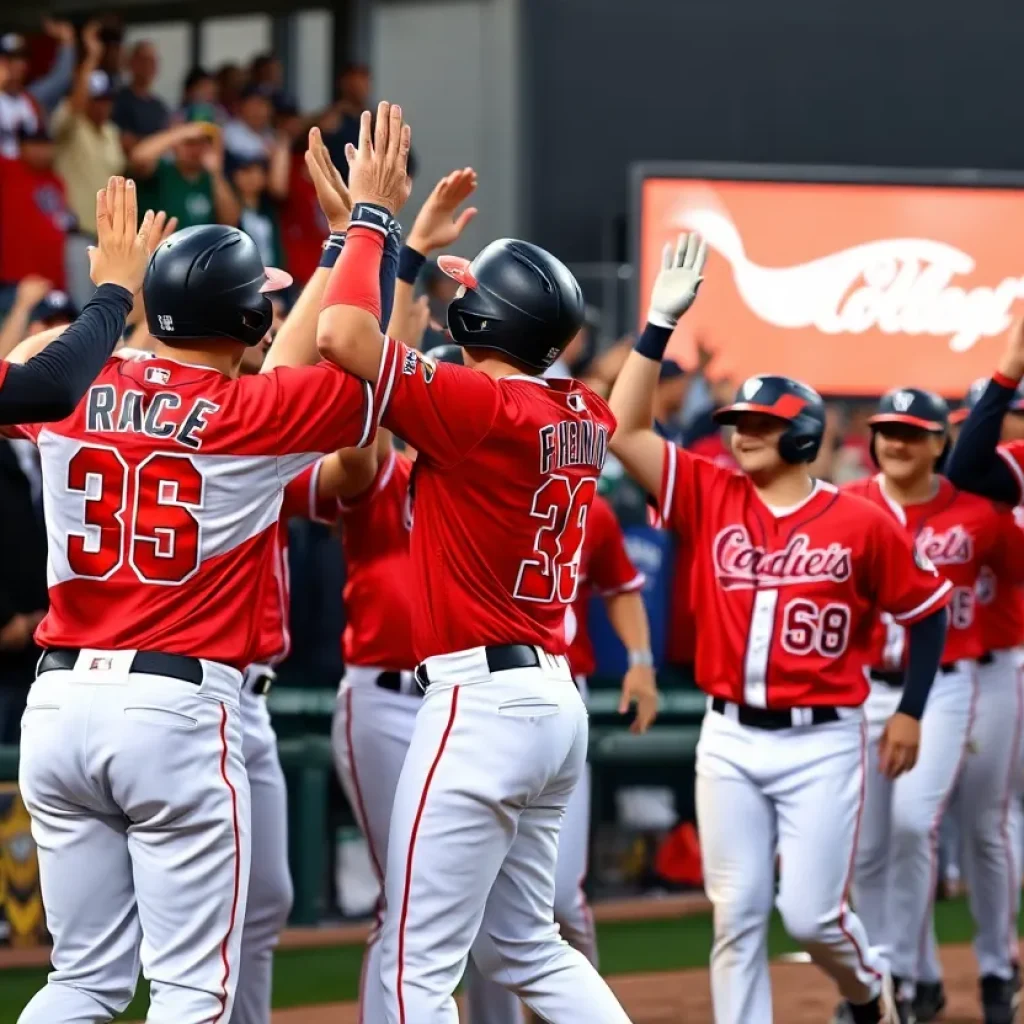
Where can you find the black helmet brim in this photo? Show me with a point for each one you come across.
(929, 426)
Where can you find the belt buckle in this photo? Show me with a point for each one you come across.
(261, 686)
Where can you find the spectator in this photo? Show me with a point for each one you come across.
(267, 74)
(341, 125)
(37, 307)
(200, 89)
(669, 396)
(249, 135)
(439, 289)
(137, 111)
(191, 185)
(34, 214)
(303, 227)
(88, 153)
(230, 83)
(257, 182)
(111, 35)
(25, 109)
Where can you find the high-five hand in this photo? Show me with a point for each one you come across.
(331, 192)
(378, 169)
(676, 285)
(123, 250)
(436, 225)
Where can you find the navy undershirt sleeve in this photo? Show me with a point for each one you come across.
(925, 641)
(52, 383)
(974, 464)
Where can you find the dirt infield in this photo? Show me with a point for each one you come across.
(802, 996)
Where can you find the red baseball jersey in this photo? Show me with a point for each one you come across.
(375, 539)
(606, 570)
(505, 476)
(1000, 601)
(786, 598)
(958, 533)
(162, 494)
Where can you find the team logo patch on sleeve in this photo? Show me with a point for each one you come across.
(414, 360)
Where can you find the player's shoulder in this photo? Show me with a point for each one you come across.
(863, 487)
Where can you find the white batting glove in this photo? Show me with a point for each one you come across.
(676, 285)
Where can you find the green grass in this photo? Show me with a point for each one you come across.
(305, 977)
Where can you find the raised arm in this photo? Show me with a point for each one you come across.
(437, 226)
(976, 463)
(635, 443)
(78, 98)
(295, 344)
(348, 331)
(148, 151)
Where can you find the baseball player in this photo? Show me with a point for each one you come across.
(897, 857)
(505, 474)
(162, 493)
(790, 575)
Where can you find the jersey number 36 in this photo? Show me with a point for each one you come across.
(159, 535)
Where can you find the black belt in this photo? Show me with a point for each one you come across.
(393, 681)
(762, 718)
(986, 659)
(153, 663)
(499, 659)
(895, 679)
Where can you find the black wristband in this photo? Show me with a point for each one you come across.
(332, 249)
(410, 262)
(370, 215)
(653, 342)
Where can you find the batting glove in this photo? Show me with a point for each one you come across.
(676, 285)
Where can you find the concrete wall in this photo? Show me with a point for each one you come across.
(453, 65)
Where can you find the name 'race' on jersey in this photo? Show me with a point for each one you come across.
(166, 484)
(499, 526)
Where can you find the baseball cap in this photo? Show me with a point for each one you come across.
(100, 86)
(13, 45)
(56, 306)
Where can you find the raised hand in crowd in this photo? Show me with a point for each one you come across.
(438, 225)
(331, 192)
(92, 42)
(62, 31)
(123, 251)
(378, 168)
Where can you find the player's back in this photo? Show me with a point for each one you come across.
(498, 535)
(162, 493)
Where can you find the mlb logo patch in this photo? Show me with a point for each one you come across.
(101, 665)
(158, 375)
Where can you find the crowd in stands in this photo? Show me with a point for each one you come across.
(77, 105)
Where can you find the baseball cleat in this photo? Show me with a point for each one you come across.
(929, 1000)
(1000, 999)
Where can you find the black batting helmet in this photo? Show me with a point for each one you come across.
(446, 354)
(912, 407)
(209, 282)
(786, 399)
(517, 299)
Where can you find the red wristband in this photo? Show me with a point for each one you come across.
(1004, 381)
(355, 279)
